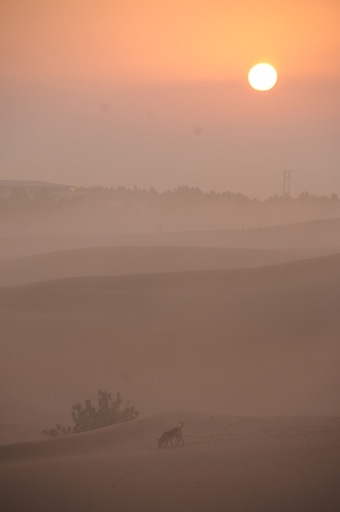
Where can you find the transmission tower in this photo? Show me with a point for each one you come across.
(286, 183)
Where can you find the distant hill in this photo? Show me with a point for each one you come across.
(313, 236)
(106, 261)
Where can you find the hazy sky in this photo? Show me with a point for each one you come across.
(155, 93)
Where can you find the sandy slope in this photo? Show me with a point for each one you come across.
(322, 234)
(240, 341)
(101, 261)
(227, 463)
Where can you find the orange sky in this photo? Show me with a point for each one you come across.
(153, 40)
(162, 68)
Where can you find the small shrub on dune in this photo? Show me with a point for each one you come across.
(109, 411)
(57, 431)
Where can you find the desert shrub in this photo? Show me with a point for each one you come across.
(57, 431)
(109, 411)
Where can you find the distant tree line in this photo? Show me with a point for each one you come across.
(137, 209)
(22, 198)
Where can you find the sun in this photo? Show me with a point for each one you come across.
(262, 77)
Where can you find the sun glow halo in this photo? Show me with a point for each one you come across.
(262, 77)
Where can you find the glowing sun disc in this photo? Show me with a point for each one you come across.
(262, 77)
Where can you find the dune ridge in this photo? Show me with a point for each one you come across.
(200, 428)
(101, 261)
(320, 234)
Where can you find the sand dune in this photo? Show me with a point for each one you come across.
(240, 341)
(319, 234)
(227, 463)
(323, 233)
(256, 347)
(102, 261)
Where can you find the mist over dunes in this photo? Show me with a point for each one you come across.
(101, 261)
(240, 325)
(310, 238)
(50, 209)
(238, 341)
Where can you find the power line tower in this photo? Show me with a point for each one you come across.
(286, 183)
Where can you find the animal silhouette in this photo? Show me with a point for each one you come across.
(170, 436)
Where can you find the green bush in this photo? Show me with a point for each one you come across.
(109, 411)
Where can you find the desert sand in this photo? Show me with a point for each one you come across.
(226, 463)
(248, 336)
(258, 341)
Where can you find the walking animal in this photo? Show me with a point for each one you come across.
(170, 436)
